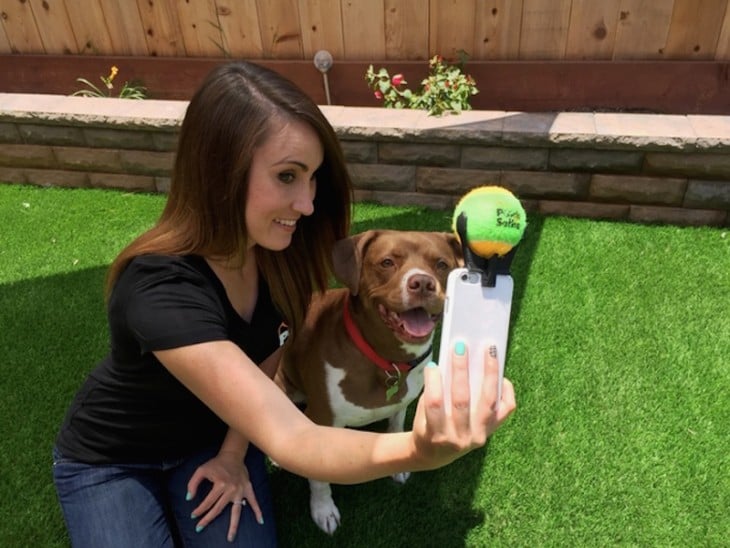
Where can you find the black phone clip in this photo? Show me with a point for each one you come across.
(488, 268)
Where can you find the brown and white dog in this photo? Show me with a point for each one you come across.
(360, 356)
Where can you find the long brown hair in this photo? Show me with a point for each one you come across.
(229, 116)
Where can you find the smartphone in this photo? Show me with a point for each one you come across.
(479, 317)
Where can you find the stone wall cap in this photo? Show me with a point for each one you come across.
(96, 111)
(512, 128)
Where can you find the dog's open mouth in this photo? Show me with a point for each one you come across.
(410, 325)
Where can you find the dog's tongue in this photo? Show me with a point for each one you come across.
(417, 322)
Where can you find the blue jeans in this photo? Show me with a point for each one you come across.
(143, 505)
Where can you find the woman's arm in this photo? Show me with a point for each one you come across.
(226, 380)
(228, 474)
(271, 364)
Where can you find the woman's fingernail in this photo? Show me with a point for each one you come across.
(261, 520)
(460, 348)
(432, 364)
(193, 516)
(188, 495)
(199, 528)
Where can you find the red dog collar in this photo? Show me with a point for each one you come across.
(363, 346)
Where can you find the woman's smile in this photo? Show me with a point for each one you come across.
(287, 224)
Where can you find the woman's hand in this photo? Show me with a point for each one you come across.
(231, 486)
(440, 435)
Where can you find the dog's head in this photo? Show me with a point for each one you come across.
(401, 275)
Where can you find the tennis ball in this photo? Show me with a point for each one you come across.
(495, 220)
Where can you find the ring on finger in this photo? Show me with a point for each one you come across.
(242, 502)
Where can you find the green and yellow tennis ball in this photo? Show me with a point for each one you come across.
(495, 223)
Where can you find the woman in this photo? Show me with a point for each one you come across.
(259, 195)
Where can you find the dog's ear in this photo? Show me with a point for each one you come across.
(347, 259)
(455, 245)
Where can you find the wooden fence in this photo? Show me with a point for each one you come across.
(371, 29)
(668, 56)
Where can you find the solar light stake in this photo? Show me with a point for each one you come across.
(323, 61)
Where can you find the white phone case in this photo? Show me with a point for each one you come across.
(479, 317)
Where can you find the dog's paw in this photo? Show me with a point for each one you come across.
(326, 515)
(401, 477)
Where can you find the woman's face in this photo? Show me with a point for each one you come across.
(281, 184)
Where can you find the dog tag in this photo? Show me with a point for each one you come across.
(392, 383)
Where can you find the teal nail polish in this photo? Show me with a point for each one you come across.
(261, 520)
(188, 495)
(193, 516)
(199, 528)
(460, 348)
(432, 364)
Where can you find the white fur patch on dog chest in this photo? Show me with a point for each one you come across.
(346, 413)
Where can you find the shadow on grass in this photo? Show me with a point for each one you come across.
(53, 332)
(433, 508)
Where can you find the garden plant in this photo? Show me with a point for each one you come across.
(446, 89)
(127, 91)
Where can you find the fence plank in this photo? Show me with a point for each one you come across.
(280, 33)
(722, 51)
(643, 26)
(162, 28)
(497, 31)
(321, 24)
(695, 29)
(544, 32)
(452, 27)
(201, 33)
(21, 29)
(239, 23)
(363, 28)
(125, 28)
(592, 31)
(4, 41)
(406, 30)
(54, 27)
(89, 27)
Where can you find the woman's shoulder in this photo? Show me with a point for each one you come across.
(153, 262)
(155, 268)
(166, 281)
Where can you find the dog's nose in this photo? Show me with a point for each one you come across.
(421, 283)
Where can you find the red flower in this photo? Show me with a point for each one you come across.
(378, 95)
(397, 80)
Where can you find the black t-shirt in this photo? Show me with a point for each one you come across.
(131, 409)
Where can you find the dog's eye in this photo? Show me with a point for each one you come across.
(442, 265)
(387, 262)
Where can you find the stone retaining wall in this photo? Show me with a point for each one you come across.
(635, 167)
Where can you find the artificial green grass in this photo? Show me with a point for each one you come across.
(619, 353)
